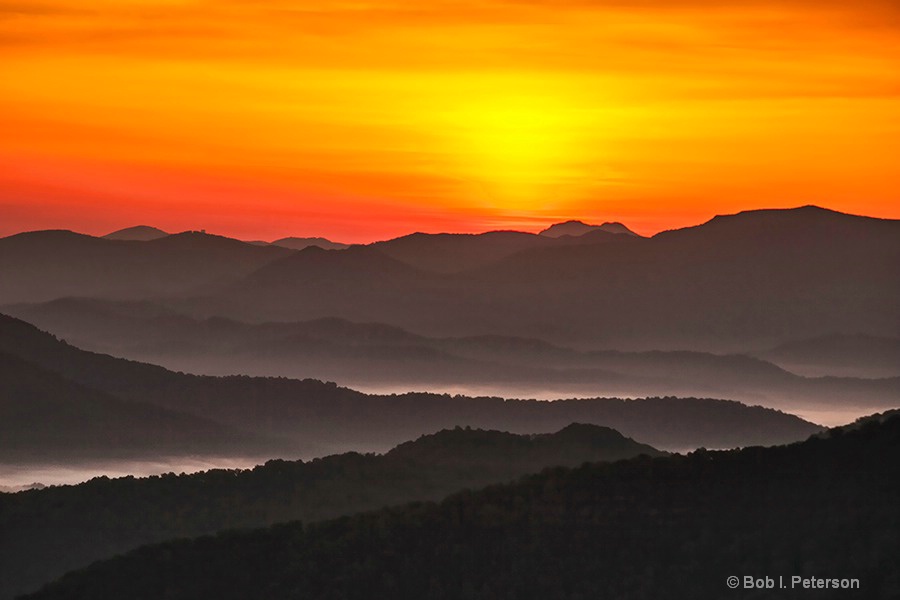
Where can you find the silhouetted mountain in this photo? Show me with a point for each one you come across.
(45, 417)
(849, 355)
(674, 527)
(454, 252)
(314, 417)
(375, 356)
(44, 534)
(745, 281)
(751, 280)
(458, 252)
(360, 279)
(44, 265)
(6, 489)
(300, 243)
(579, 228)
(140, 233)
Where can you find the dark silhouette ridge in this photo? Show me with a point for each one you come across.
(46, 265)
(751, 280)
(746, 281)
(318, 264)
(45, 417)
(579, 228)
(300, 243)
(373, 355)
(43, 535)
(140, 233)
(312, 416)
(673, 527)
(454, 252)
(774, 223)
(459, 252)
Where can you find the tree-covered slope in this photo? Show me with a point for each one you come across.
(44, 533)
(652, 528)
(46, 417)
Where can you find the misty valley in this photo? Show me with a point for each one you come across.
(578, 413)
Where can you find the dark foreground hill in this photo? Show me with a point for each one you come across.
(44, 533)
(674, 527)
(320, 418)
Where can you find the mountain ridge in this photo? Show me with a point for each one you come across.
(372, 356)
(61, 528)
(142, 233)
(577, 228)
(568, 533)
(299, 411)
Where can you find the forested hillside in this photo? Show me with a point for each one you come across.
(651, 528)
(44, 533)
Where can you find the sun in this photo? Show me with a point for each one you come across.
(518, 150)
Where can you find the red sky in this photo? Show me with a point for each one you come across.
(365, 120)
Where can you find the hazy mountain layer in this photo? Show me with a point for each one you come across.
(45, 265)
(377, 356)
(750, 280)
(47, 418)
(457, 252)
(316, 417)
(741, 282)
(855, 355)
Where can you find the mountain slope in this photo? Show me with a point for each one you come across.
(749, 280)
(44, 416)
(455, 252)
(850, 355)
(44, 534)
(140, 233)
(375, 356)
(44, 265)
(580, 228)
(301, 243)
(646, 528)
(322, 417)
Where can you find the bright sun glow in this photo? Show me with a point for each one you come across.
(517, 147)
(364, 120)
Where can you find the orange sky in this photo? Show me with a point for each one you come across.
(364, 120)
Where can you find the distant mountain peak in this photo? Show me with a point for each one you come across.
(140, 233)
(301, 243)
(576, 228)
(798, 212)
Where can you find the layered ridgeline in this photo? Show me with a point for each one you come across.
(754, 279)
(47, 418)
(746, 281)
(675, 527)
(309, 417)
(837, 355)
(378, 356)
(44, 265)
(44, 533)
